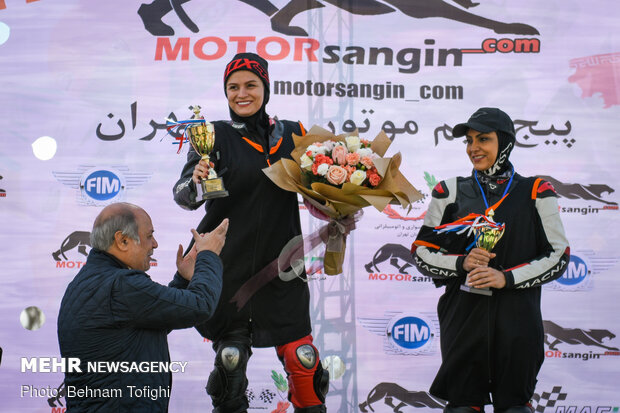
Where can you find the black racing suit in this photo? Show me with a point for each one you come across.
(492, 344)
(263, 219)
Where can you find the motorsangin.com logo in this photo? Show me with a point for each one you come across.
(571, 193)
(408, 60)
(401, 266)
(74, 250)
(301, 47)
(556, 335)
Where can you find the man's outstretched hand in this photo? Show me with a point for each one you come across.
(211, 241)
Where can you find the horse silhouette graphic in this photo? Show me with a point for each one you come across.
(391, 391)
(152, 14)
(393, 252)
(79, 239)
(575, 336)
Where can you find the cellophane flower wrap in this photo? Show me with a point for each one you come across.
(340, 175)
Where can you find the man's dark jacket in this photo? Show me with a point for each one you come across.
(112, 313)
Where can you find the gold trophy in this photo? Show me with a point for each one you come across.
(202, 137)
(486, 238)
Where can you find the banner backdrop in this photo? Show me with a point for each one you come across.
(86, 86)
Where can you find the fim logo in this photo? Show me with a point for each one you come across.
(405, 333)
(392, 391)
(101, 186)
(579, 273)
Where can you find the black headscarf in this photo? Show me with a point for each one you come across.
(256, 125)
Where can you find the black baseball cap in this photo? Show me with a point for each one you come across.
(486, 120)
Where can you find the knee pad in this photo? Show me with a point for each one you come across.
(308, 382)
(321, 382)
(228, 382)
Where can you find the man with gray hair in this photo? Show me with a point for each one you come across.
(112, 312)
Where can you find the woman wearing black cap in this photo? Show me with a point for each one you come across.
(491, 344)
(263, 219)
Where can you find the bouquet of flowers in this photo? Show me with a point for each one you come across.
(337, 162)
(338, 176)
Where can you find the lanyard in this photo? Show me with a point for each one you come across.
(484, 197)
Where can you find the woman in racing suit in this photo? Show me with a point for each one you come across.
(263, 219)
(491, 345)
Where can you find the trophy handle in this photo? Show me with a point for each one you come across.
(212, 174)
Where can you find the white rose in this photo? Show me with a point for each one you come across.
(306, 162)
(322, 169)
(353, 143)
(358, 177)
(364, 152)
(313, 148)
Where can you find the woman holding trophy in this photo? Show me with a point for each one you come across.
(491, 239)
(263, 219)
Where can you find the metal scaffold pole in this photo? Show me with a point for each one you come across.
(332, 305)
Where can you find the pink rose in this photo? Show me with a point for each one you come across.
(367, 162)
(339, 155)
(336, 175)
(353, 158)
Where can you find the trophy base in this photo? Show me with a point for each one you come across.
(481, 291)
(213, 188)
